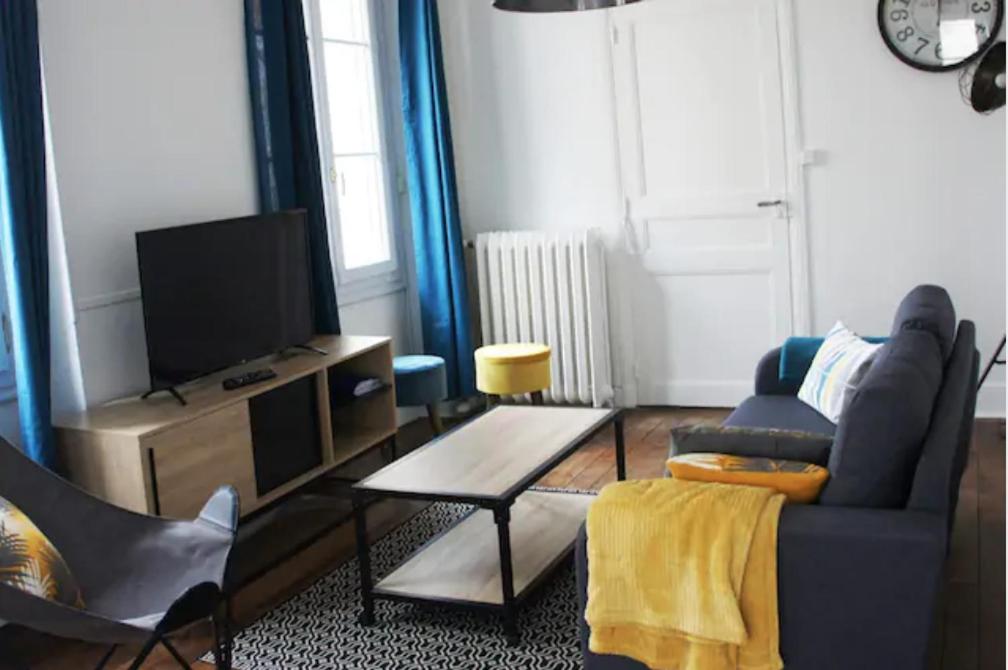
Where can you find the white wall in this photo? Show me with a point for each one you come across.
(913, 185)
(912, 188)
(534, 132)
(151, 124)
(532, 117)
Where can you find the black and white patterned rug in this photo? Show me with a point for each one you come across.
(318, 629)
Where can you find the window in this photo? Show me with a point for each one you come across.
(347, 63)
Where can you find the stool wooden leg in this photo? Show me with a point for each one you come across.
(489, 399)
(537, 398)
(434, 415)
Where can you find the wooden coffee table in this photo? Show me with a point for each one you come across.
(494, 557)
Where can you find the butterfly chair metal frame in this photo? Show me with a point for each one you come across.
(142, 577)
(221, 649)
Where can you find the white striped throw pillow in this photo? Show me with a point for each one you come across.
(838, 367)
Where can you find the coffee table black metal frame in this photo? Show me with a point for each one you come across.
(500, 505)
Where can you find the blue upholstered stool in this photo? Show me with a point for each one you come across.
(421, 380)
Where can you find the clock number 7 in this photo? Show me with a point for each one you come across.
(923, 43)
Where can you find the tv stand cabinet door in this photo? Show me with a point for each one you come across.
(190, 460)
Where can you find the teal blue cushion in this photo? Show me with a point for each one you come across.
(797, 354)
(419, 380)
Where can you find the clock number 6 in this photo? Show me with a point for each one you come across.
(905, 34)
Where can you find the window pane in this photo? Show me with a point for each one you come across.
(353, 113)
(360, 190)
(345, 20)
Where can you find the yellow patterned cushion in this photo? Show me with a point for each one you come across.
(29, 561)
(800, 482)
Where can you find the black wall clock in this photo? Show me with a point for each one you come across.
(936, 35)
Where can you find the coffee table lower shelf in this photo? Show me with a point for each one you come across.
(462, 565)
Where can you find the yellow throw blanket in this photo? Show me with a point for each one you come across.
(683, 575)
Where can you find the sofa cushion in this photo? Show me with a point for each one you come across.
(940, 468)
(800, 482)
(928, 308)
(879, 438)
(779, 411)
(796, 356)
(838, 367)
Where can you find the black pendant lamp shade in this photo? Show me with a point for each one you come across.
(557, 5)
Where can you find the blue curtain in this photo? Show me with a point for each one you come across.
(287, 149)
(23, 221)
(437, 231)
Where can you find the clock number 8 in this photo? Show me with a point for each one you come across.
(905, 34)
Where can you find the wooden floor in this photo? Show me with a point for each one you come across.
(973, 634)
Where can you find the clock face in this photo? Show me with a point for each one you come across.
(939, 34)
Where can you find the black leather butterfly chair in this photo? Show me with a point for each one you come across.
(142, 577)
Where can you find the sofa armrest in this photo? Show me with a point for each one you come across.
(753, 443)
(858, 588)
(593, 661)
(768, 380)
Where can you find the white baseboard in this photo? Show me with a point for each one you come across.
(991, 401)
(694, 393)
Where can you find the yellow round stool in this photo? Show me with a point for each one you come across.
(513, 369)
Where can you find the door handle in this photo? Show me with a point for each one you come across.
(769, 203)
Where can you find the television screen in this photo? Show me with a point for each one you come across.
(219, 293)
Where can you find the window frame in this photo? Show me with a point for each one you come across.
(354, 284)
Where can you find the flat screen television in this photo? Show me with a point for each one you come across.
(219, 293)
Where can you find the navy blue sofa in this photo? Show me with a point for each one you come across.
(860, 573)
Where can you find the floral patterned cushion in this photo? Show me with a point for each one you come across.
(29, 561)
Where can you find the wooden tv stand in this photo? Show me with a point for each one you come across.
(156, 456)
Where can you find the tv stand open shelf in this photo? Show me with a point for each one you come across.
(156, 456)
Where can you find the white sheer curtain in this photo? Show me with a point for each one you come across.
(66, 376)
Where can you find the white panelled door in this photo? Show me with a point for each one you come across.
(701, 122)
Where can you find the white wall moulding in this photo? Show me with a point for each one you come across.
(108, 299)
(991, 400)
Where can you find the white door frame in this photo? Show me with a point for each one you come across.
(798, 246)
(794, 148)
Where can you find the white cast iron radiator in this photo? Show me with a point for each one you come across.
(550, 288)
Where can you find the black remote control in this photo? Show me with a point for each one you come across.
(253, 377)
